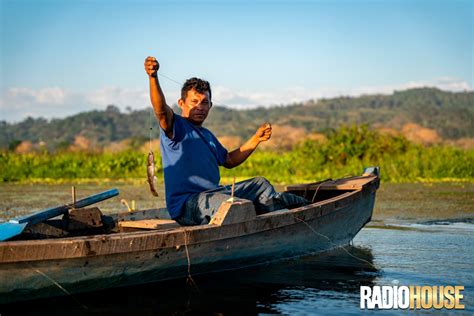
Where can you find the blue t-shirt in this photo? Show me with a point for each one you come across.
(190, 162)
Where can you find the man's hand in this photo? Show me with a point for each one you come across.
(236, 157)
(264, 132)
(151, 66)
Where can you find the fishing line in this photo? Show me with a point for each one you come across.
(180, 84)
(52, 281)
(338, 246)
(171, 79)
(151, 125)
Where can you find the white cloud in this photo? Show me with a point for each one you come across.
(444, 83)
(18, 103)
(50, 95)
(53, 95)
(452, 84)
(119, 96)
(252, 99)
(246, 99)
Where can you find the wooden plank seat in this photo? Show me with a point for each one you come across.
(230, 212)
(152, 224)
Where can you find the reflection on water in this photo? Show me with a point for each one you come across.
(335, 275)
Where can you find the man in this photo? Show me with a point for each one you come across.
(191, 156)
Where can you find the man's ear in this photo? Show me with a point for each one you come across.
(181, 103)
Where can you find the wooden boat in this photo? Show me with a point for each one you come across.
(143, 246)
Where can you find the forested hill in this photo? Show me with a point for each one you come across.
(450, 114)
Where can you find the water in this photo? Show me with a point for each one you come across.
(435, 253)
(430, 241)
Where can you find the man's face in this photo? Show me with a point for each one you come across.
(196, 106)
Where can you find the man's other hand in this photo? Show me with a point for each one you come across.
(264, 132)
(151, 66)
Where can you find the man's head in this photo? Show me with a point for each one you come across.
(195, 101)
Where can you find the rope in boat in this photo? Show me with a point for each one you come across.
(189, 280)
(319, 183)
(56, 283)
(338, 246)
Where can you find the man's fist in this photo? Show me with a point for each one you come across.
(264, 132)
(151, 66)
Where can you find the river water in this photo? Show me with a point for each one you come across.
(434, 253)
(407, 244)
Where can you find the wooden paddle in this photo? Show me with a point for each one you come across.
(15, 226)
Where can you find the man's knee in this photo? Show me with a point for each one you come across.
(261, 181)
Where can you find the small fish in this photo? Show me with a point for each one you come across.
(150, 171)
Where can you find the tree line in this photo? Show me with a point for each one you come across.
(450, 114)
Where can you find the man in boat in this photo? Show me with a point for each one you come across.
(191, 156)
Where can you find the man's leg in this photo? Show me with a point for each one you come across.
(265, 197)
(201, 207)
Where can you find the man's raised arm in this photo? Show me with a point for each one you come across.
(163, 112)
(236, 157)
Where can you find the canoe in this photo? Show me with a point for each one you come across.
(145, 246)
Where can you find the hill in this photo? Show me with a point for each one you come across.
(447, 114)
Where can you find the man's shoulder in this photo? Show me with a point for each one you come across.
(208, 131)
(182, 128)
(182, 122)
(177, 117)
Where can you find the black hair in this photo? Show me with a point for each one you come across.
(201, 86)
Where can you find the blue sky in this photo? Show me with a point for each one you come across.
(62, 57)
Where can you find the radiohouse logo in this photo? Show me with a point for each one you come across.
(411, 297)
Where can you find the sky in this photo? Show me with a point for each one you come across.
(59, 58)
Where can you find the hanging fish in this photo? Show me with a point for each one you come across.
(150, 171)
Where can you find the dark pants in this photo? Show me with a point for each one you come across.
(202, 206)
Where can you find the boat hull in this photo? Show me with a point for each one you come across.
(136, 258)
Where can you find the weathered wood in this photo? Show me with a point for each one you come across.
(140, 241)
(56, 211)
(47, 229)
(149, 224)
(150, 255)
(371, 171)
(73, 194)
(84, 218)
(161, 213)
(234, 211)
(353, 183)
(15, 226)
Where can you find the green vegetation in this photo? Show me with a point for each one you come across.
(346, 151)
(450, 114)
(67, 165)
(350, 149)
